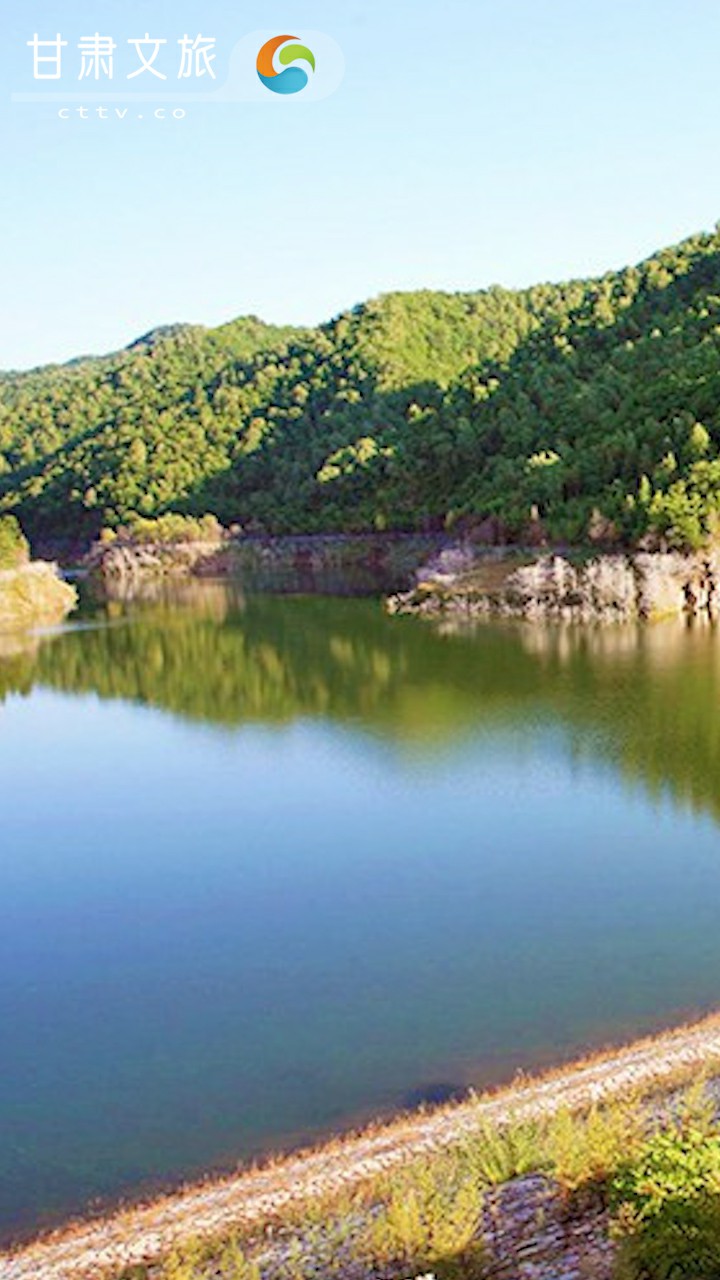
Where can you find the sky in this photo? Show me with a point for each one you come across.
(470, 142)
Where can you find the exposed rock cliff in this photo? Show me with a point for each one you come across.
(605, 588)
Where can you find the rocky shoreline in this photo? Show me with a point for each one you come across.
(339, 564)
(611, 587)
(431, 576)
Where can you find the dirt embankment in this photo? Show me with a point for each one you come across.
(247, 1201)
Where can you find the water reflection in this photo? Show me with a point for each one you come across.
(644, 698)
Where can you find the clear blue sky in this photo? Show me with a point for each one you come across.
(471, 142)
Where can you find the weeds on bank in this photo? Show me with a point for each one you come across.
(432, 1215)
(196, 1261)
(660, 1177)
(427, 1215)
(584, 1151)
(495, 1154)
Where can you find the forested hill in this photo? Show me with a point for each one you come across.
(584, 403)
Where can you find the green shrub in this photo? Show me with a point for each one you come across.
(14, 549)
(171, 528)
(687, 513)
(667, 1208)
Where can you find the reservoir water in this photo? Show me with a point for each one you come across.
(270, 866)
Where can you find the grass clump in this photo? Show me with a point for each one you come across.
(497, 1153)
(199, 1260)
(586, 1150)
(431, 1218)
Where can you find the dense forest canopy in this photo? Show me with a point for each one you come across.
(591, 405)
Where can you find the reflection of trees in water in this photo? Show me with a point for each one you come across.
(646, 699)
(651, 697)
(16, 645)
(643, 698)
(208, 599)
(207, 653)
(18, 659)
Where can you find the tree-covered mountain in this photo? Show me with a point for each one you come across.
(591, 403)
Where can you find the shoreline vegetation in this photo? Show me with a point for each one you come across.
(548, 1176)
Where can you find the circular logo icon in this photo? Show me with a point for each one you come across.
(292, 79)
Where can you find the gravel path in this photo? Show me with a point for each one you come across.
(91, 1251)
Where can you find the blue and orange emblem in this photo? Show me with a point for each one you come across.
(292, 79)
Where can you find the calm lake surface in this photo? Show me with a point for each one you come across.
(270, 866)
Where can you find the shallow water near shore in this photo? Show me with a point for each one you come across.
(272, 865)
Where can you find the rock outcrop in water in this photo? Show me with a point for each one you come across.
(34, 595)
(605, 588)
